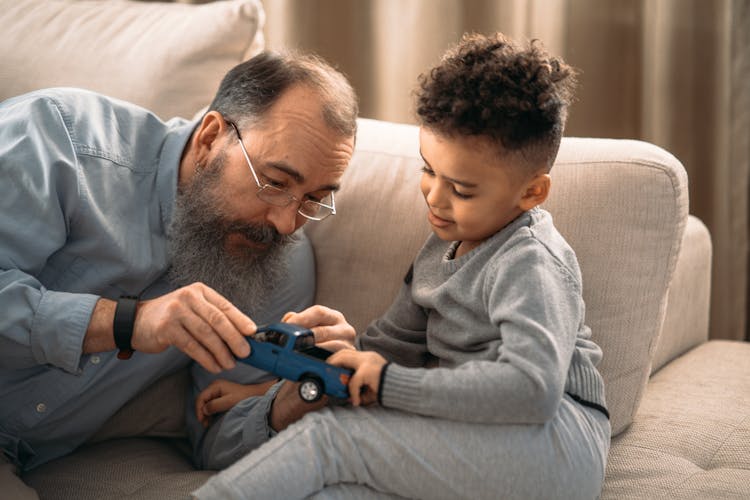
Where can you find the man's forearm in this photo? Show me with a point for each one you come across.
(288, 407)
(99, 336)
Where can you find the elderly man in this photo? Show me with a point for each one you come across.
(129, 245)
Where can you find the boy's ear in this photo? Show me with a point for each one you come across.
(535, 192)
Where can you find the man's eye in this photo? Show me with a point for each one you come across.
(320, 199)
(275, 183)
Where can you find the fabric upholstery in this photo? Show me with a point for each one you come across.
(691, 435)
(627, 250)
(136, 468)
(622, 205)
(159, 411)
(168, 58)
(686, 321)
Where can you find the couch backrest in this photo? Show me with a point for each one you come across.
(168, 58)
(621, 204)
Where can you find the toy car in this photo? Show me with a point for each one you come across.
(289, 351)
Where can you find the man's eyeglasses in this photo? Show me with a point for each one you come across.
(310, 209)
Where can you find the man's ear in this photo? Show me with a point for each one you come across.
(211, 126)
(535, 191)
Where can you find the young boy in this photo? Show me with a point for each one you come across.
(483, 367)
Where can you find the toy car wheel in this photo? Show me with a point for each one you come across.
(310, 389)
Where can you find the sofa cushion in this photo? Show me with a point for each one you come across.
(168, 58)
(691, 435)
(137, 468)
(622, 205)
(158, 411)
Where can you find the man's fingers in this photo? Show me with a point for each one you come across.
(240, 321)
(197, 352)
(226, 320)
(218, 405)
(198, 337)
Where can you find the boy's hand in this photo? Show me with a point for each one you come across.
(331, 329)
(221, 395)
(365, 382)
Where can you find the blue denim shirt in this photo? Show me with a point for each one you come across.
(87, 185)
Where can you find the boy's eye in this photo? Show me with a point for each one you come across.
(427, 170)
(463, 196)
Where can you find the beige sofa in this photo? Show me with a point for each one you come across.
(680, 403)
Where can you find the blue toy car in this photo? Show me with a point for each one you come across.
(289, 351)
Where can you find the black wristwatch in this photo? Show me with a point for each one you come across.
(122, 326)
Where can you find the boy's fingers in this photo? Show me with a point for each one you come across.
(335, 345)
(354, 388)
(314, 316)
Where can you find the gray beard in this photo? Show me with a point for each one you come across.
(197, 236)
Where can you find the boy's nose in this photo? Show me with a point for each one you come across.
(435, 196)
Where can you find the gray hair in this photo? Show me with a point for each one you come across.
(249, 89)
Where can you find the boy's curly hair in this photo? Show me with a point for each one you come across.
(490, 86)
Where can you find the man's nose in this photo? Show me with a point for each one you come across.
(286, 220)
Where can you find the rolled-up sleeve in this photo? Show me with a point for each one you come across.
(59, 328)
(38, 192)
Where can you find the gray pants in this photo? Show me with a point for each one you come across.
(340, 450)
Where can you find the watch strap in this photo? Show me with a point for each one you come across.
(122, 327)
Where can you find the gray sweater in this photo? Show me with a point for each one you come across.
(494, 336)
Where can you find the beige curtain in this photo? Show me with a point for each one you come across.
(672, 72)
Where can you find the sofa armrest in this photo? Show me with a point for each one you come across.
(686, 321)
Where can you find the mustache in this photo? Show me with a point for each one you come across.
(265, 235)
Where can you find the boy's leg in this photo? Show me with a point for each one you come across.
(347, 491)
(420, 457)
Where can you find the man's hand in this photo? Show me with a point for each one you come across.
(365, 382)
(221, 395)
(198, 321)
(331, 329)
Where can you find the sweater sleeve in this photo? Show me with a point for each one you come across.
(534, 303)
(399, 335)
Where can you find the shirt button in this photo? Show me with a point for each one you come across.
(95, 360)
(41, 408)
